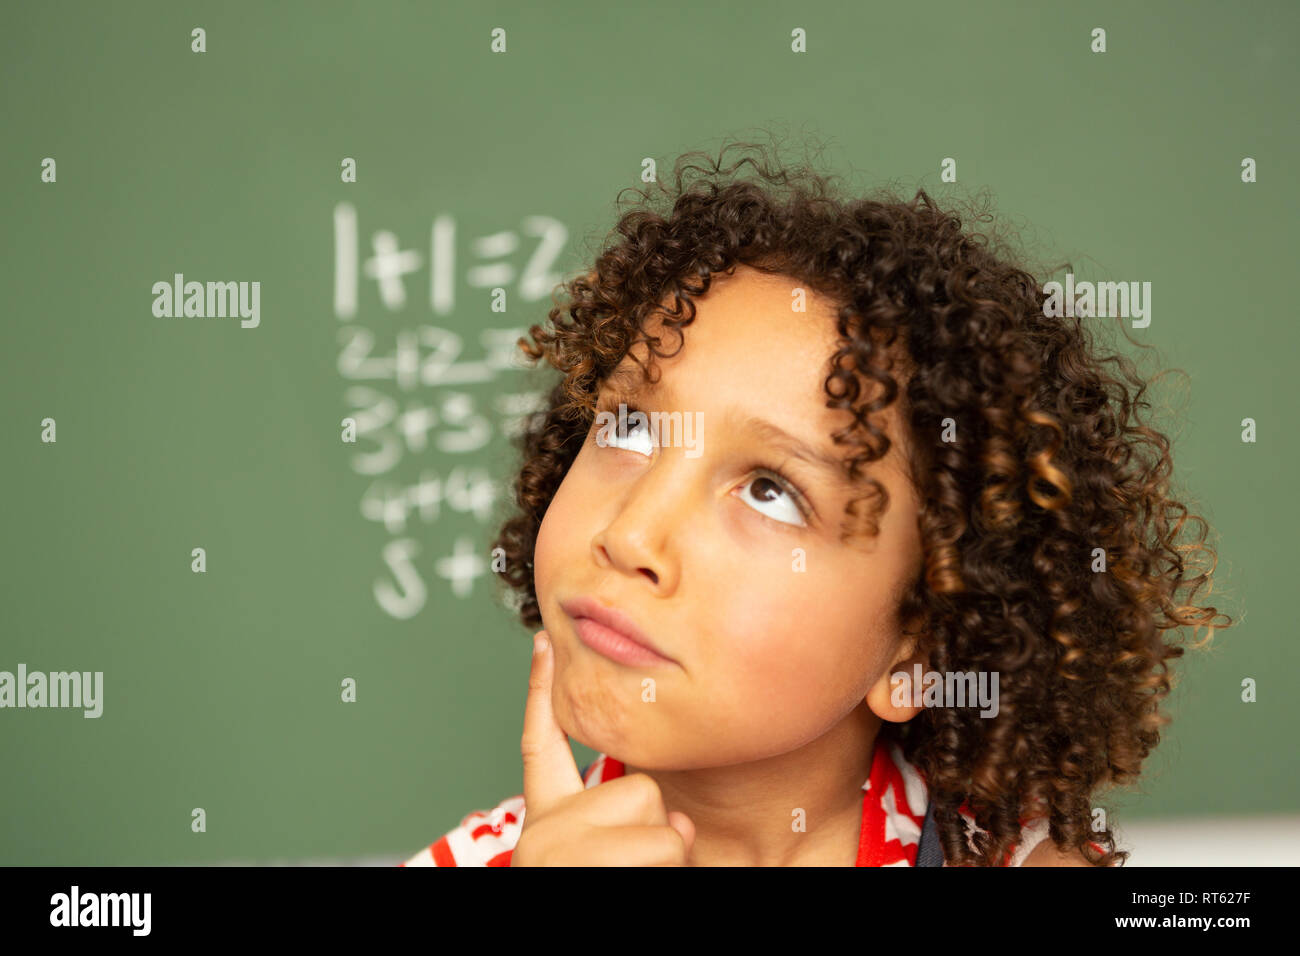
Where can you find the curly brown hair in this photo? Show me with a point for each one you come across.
(1053, 472)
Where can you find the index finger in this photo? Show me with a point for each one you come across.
(550, 772)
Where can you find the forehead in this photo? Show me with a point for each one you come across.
(752, 331)
(760, 346)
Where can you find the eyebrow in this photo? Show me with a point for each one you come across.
(626, 383)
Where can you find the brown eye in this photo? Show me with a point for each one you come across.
(766, 491)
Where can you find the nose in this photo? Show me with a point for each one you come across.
(642, 537)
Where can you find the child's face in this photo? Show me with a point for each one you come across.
(703, 553)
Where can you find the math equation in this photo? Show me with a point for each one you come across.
(424, 401)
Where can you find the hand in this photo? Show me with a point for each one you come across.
(622, 822)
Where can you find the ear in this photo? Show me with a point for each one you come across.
(896, 696)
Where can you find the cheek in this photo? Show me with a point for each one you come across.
(783, 669)
(543, 559)
(559, 529)
(799, 636)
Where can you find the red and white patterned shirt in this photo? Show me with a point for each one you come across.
(894, 802)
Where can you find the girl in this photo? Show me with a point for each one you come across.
(910, 549)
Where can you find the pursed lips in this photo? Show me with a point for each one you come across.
(615, 634)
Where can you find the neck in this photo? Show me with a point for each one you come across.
(745, 813)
